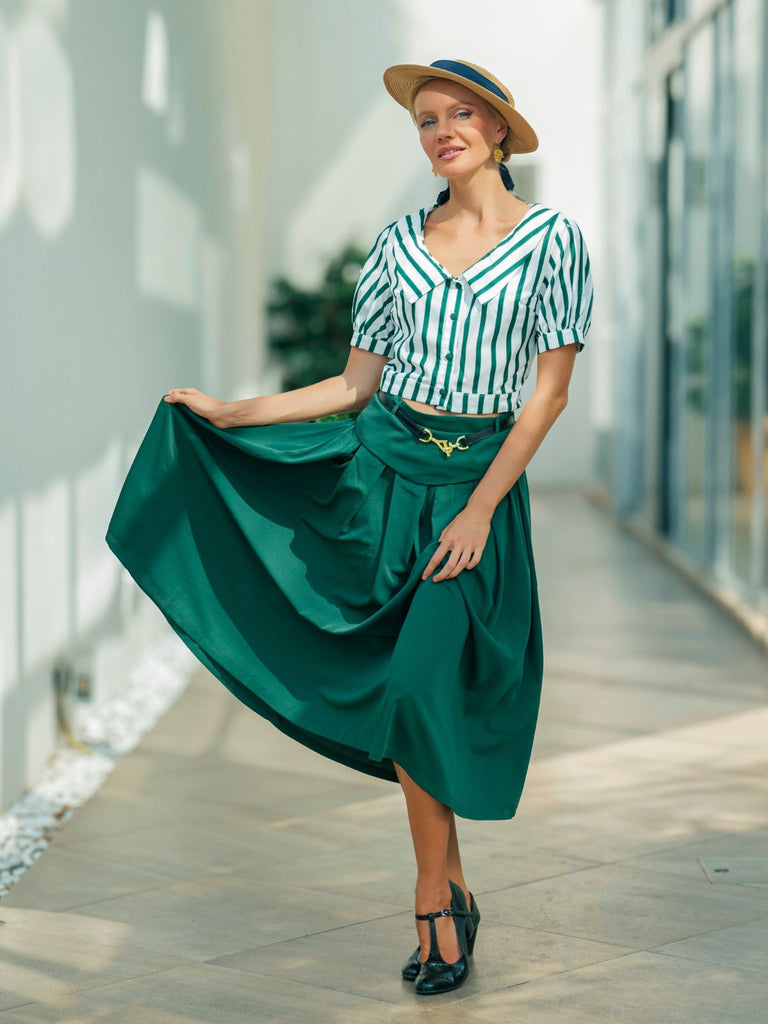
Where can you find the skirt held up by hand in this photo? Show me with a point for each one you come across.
(288, 558)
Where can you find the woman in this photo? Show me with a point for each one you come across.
(368, 584)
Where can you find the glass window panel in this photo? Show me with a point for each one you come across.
(662, 13)
(695, 366)
(678, 9)
(672, 466)
(745, 255)
(652, 290)
(762, 314)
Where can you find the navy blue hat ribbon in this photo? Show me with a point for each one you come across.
(457, 68)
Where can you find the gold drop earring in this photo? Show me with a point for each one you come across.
(435, 173)
(498, 154)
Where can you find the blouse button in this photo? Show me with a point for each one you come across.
(453, 316)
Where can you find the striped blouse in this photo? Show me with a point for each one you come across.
(466, 344)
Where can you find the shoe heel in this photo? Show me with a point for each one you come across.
(472, 922)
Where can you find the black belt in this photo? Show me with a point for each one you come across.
(425, 434)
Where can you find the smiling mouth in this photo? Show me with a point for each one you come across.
(447, 153)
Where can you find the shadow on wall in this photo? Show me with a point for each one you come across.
(336, 167)
(122, 174)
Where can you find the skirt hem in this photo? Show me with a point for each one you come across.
(326, 746)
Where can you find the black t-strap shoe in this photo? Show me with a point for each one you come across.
(436, 974)
(412, 965)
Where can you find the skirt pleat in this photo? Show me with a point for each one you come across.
(288, 558)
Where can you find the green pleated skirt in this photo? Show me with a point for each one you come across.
(288, 558)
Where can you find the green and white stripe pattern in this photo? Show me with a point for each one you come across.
(466, 344)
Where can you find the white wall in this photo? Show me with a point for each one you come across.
(131, 224)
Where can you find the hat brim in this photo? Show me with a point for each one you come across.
(402, 80)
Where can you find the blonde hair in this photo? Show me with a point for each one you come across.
(505, 144)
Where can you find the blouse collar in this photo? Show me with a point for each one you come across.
(418, 272)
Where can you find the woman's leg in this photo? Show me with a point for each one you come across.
(455, 870)
(430, 823)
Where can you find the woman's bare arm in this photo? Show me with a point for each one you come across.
(349, 391)
(464, 538)
(550, 397)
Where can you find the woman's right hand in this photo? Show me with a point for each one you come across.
(197, 401)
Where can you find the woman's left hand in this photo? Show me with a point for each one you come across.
(463, 539)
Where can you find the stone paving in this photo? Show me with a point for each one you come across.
(225, 874)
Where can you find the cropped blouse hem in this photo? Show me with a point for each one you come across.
(450, 400)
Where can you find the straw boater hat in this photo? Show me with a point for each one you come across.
(402, 81)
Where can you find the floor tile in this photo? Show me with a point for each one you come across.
(366, 958)
(62, 878)
(743, 945)
(640, 988)
(616, 904)
(41, 961)
(207, 917)
(208, 994)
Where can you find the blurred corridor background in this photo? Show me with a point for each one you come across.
(162, 164)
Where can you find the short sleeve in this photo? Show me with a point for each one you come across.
(372, 326)
(564, 307)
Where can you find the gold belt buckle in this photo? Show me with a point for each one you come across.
(445, 446)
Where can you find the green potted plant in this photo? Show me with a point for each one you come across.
(740, 380)
(310, 329)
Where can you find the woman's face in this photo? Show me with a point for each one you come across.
(457, 131)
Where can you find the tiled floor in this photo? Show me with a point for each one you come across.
(225, 874)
